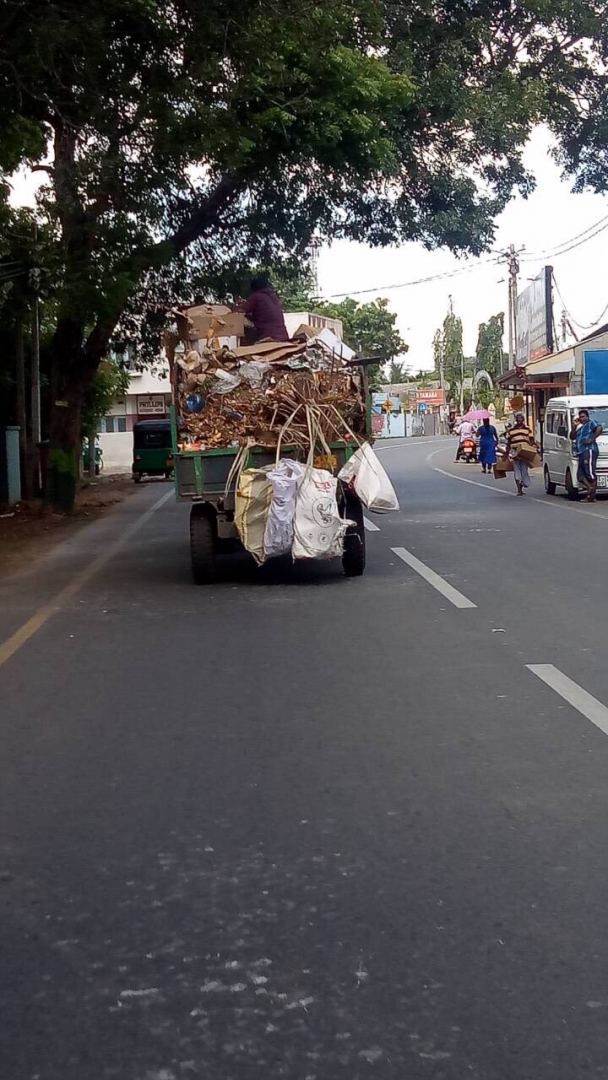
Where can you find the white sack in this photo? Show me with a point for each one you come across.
(370, 480)
(318, 528)
(278, 537)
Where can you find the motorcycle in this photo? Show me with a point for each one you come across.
(468, 450)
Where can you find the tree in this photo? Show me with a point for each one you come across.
(397, 372)
(194, 136)
(370, 330)
(489, 354)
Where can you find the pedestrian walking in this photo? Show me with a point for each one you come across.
(517, 436)
(585, 433)
(488, 441)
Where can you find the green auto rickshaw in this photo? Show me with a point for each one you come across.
(152, 449)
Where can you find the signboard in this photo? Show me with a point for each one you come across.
(380, 400)
(151, 405)
(422, 406)
(431, 398)
(535, 319)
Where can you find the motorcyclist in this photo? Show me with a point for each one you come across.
(465, 430)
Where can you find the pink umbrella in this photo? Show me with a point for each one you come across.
(478, 414)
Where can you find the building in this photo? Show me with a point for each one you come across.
(148, 397)
(581, 368)
(295, 319)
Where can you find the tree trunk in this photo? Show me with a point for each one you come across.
(64, 452)
(21, 411)
(91, 438)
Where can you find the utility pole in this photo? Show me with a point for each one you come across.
(567, 327)
(21, 409)
(512, 256)
(35, 374)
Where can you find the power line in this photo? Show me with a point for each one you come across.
(561, 249)
(582, 326)
(570, 240)
(570, 245)
(415, 281)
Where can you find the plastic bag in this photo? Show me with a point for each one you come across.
(254, 372)
(285, 478)
(318, 528)
(252, 506)
(225, 381)
(369, 480)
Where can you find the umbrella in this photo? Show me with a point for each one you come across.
(478, 414)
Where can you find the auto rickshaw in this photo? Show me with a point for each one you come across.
(152, 449)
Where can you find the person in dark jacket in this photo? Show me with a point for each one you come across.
(263, 308)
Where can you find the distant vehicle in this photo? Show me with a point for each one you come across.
(152, 449)
(560, 461)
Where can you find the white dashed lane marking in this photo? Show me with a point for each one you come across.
(453, 595)
(575, 695)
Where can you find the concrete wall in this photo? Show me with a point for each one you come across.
(117, 450)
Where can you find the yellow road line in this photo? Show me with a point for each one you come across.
(44, 613)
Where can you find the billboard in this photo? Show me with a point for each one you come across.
(432, 398)
(535, 319)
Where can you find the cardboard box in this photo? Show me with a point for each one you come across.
(527, 454)
(502, 467)
(198, 323)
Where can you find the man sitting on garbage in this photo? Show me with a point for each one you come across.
(263, 308)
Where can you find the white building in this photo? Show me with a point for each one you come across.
(148, 396)
(295, 319)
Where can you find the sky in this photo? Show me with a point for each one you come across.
(551, 215)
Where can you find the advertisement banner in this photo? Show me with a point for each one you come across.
(535, 319)
(432, 398)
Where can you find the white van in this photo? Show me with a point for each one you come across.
(560, 463)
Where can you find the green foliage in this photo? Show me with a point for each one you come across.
(484, 394)
(449, 357)
(369, 328)
(397, 372)
(110, 383)
(489, 354)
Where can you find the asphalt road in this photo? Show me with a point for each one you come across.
(297, 826)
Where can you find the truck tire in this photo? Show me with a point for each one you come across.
(353, 556)
(571, 488)
(202, 546)
(550, 487)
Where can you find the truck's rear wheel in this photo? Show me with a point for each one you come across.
(202, 546)
(550, 487)
(353, 556)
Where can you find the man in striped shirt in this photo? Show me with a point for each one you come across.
(519, 435)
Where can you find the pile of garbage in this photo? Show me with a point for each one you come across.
(227, 397)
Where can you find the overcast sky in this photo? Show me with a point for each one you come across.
(550, 216)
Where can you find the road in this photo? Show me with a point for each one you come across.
(297, 826)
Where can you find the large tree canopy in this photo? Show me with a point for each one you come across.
(245, 127)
